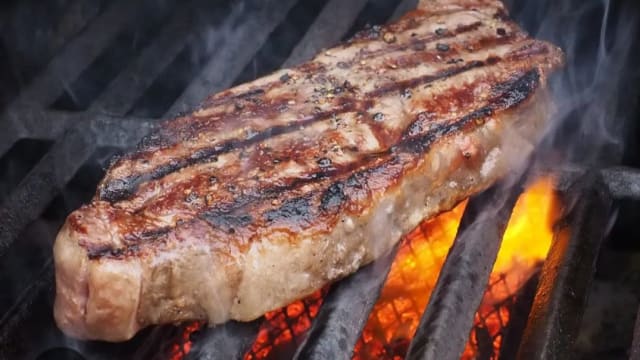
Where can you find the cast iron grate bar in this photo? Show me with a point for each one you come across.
(123, 92)
(76, 56)
(57, 167)
(444, 326)
(344, 313)
(235, 48)
(566, 274)
(332, 23)
(278, 46)
(622, 182)
(136, 35)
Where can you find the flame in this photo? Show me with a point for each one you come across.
(525, 245)
(412, 277)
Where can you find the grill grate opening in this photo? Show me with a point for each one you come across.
(31, 250)
(81, 188)
(51, 25)
(79, 94)
(18, 161)
(172, 81)
(282, 40)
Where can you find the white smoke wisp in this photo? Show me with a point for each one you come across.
(593, 94)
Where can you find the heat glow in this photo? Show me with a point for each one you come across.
(412, 277)
(414, 273)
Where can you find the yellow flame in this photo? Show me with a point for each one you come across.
(530, 230)
(525, 244)
(415, 271)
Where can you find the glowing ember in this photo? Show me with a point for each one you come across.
(183, 347)
(285, 327)
(415, 270)
(411, 279)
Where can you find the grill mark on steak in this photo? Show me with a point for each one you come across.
(163, 139)
(332, 196)
(123, 188)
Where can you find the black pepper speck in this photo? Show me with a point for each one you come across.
(378, 117)
(442, 47)
(441, 31)
(324, 162)
(501, 32)
(284, 78)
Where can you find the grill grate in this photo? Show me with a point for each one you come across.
(100, 94)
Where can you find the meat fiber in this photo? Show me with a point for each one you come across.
(274, 188)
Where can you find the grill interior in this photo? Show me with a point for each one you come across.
(84, 81)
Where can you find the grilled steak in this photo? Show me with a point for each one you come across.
(274, 188)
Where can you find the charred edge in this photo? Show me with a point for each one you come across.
(147, 234)
(509, 95)
(105, 251)
(123, 188)
(225, 221)
(294, 210)
(333, 198)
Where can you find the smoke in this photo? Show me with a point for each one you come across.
(596, 93)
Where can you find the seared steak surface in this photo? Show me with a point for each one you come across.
(276, 187)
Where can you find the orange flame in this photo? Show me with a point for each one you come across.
(525, 245)
(414, 273)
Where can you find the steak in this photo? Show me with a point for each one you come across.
(275, 188)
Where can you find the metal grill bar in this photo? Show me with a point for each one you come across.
(57, 167)
(123, 92)
(64, 68)
(567, 273)
(234, 51)
(445, 325)
(622, 182)
(330, 26)
(344, 313)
